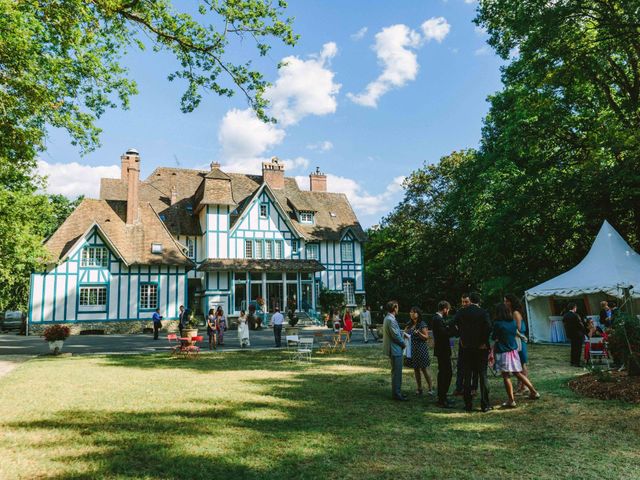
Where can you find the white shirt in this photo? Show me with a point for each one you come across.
(277, 319)
(365, 316)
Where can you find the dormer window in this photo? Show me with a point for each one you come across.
(191, 248)
(94, 257)
(156, 248)
(264, 210)
(306, 217)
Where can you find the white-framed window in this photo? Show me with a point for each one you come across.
(306, 217)
(268, 249)
(148, 296)
(259, 249)
(349, 292)
(279, 250)
(248, 249)
(93, 298)
(312, 251)
(264, 210)
(346, 250)
(191, 248)
(295, 245)
(156, 248)
(94, 257)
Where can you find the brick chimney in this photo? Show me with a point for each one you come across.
(273, 173)
(133, 178)
(174, 195)
(317, 181)
(124, 160)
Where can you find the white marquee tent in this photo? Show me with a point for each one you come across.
(610, 267)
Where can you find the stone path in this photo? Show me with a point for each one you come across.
(10, 362)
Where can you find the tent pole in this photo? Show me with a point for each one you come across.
(529, 319)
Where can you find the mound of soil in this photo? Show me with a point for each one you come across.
(608, 386)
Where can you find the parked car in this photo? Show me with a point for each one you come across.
(12, 320)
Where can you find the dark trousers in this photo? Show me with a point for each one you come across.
(180, 327)
(156, 327)
(576, 349)
(460, 373)
(444, 377)
(396, 376)
(475, 362)
(277, 333)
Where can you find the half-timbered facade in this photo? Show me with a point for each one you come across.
(201, 239)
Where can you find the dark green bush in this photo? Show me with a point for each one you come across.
(624, 341)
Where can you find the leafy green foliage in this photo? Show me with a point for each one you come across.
(328, 299)
(624, 341)
(60, 66)
(559, 155)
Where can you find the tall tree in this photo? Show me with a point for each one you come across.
(60, 66)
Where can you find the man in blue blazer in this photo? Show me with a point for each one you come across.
(392, 346)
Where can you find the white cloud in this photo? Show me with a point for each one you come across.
(469, 1)
(361, 200)
(394, 48)
(484, 50)
(323, 146)
(400, 64)
(298, 163)
(436, 28)
(244, 138)
(304, 87)
(73, 179)
(359, 35)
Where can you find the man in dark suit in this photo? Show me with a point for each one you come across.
(442, 350)
(464, 302)
(575, 329)
(182, 319)
(475, 328)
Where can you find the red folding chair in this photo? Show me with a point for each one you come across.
(194, 349)
(174, 343)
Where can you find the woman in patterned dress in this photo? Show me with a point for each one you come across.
(420, 358)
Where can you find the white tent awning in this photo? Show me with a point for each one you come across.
(610, 267)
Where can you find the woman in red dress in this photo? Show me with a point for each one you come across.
(348, 323)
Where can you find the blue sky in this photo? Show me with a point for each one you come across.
(372, 91)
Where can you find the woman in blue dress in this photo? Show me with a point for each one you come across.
(513, 303)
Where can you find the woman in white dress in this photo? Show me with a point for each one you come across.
(243, 330)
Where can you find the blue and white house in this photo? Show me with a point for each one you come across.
(202, 239)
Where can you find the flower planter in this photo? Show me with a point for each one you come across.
(55, 346)
(190, 332)
(288, 330)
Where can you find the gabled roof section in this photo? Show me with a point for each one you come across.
(131, 242)
(80, 241)
(250, 202)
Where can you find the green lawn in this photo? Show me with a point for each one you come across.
(258, 415)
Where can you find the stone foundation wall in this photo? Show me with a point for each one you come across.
(168, 326)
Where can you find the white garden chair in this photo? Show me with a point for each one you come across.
(305, 349)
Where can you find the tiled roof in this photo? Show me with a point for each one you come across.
(333, 213)
(254, 265)
(133, 242)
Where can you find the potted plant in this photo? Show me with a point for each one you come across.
(260, 313)
(56, 335)
(192, 326)
(291, 329)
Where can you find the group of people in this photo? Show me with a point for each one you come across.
(577, 329)
(217, 325)
(346, 323)
(499, 342)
